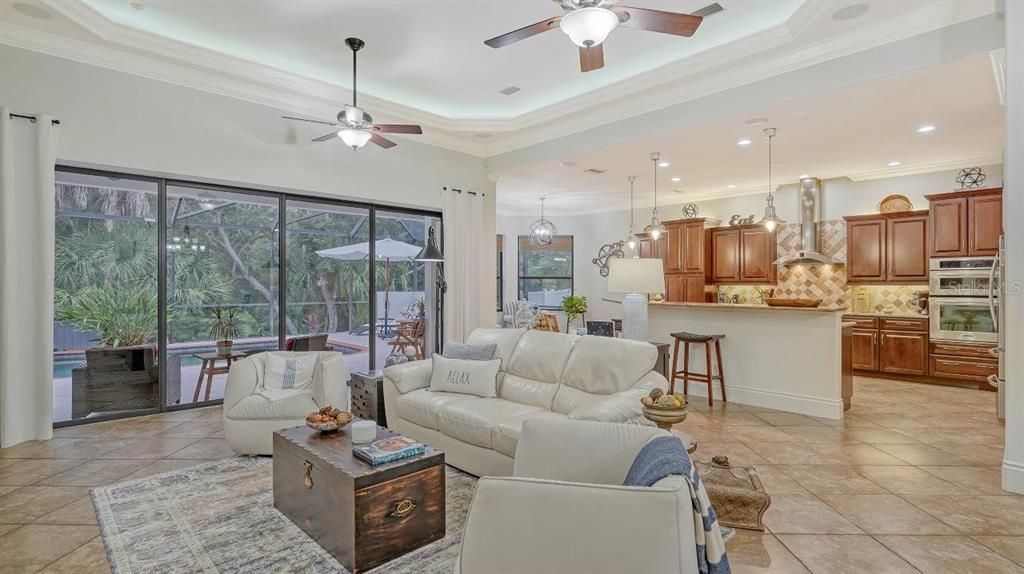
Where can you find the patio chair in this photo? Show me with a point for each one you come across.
(316, 342)
(409, 334)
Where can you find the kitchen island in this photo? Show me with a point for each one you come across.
(781, 358)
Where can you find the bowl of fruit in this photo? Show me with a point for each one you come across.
(664, 409)
(328, 419)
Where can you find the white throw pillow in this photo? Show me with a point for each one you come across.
(286, 373)
(478, 378)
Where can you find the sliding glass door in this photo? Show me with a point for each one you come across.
(162, 284)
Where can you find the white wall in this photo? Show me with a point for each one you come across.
(121, 121)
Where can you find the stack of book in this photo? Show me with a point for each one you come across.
(388, 449)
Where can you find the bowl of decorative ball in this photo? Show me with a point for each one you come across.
(328, 419)
(663, 409)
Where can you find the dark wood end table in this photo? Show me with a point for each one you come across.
(363, 515)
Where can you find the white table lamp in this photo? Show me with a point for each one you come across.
(636, 278)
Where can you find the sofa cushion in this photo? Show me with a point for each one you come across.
(257, 407)
(478, 378)
(467, 352)
(472, 420)
(536, 368)
(602, 365)
(505, 435)
(505, 339)
(422, 405)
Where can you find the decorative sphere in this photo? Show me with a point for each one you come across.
(690, 210)
(970, 178)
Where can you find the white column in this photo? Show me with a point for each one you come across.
(1013, 213)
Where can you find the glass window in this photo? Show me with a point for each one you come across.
(545, 272)
(501, 266)
(105, 296)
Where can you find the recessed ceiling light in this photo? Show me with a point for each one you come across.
(677, 178)
(663, 164)
(32, 11)
(925, 129)
(743, 142)
(894, 163)
(730, 186)
(568, 164)
(804, 176)
(755, 121)
(851, 12)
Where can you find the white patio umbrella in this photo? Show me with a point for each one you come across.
(387, 249)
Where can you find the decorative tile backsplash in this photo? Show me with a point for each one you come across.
(825, 282)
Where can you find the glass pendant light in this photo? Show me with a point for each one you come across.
(771, 220)
(631, 238)
(588, 26)
(655, 228)
(542, 231)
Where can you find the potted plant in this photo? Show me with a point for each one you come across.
(573, 306)
(224, 328)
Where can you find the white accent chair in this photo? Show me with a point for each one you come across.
(564, 509)
(543, 375)
(250, 419)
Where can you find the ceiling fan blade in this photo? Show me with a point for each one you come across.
(398, 129)
(523, 33)
(326, 137)
(310, 121)
(658, 20)
(381, 141)
(591, 58)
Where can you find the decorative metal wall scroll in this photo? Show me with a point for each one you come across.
(605, 254)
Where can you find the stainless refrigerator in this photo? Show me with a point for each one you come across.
(996, 291)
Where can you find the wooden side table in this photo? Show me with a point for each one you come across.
(368, 396)
(210, 368)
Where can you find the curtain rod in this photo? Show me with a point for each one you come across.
(461, 191)
(32, 118)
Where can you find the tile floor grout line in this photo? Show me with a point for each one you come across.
(62, 556)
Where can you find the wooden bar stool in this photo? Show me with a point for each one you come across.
(707, 377)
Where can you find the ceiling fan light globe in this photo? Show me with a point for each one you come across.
(588, 27)
(353, 137)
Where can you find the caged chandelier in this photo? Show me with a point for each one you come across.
(542, 231)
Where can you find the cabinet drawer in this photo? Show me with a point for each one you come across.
(961, 368)
(862, 322)
(980, 351)
(903, 324)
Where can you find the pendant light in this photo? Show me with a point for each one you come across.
(542, 231)
(771, 220)
(655, 228)
(631, 238)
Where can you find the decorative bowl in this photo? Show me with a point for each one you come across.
(665, 417)
(331, 425)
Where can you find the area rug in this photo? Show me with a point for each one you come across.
(220, 517)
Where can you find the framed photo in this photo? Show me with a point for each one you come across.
(601, 328)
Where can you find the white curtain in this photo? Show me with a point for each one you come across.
(27, 157)
(464, 246)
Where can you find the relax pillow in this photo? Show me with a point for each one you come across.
(478, 378)
(453, 350)
(283, 374)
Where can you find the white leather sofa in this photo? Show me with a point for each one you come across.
(250, 419)
(543, 375)
(565, 509)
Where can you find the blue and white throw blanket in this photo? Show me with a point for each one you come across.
(665, 456)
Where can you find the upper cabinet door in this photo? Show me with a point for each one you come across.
(907, 249)
(675, 247)
(865, 250)
(725, 254)
(692, 233)
(984, 224)
(949, 227)
(757, 255)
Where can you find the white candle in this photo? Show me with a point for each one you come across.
(363, 431)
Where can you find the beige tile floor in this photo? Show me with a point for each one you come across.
(908, 482)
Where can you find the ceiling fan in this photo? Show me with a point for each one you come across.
(588, 23)
(355, 127)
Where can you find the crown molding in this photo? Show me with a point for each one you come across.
(932, 167)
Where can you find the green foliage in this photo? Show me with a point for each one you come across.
(573, 306)
(123, 316)
(224, 325)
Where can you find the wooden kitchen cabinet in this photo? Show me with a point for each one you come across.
(903, 352)
(741, 254)
(692, 234)
(682, 252)
(966, 223)
(887, 248)
(865, 349)
(685, 287)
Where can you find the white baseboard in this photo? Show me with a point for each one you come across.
(794, 403)
(1013, 476)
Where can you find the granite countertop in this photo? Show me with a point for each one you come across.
(896, 314)
(750, 307)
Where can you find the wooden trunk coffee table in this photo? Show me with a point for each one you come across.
(362, 515)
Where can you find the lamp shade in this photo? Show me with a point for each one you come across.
(636, 276)
(430, 252)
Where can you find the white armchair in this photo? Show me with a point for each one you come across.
(250, 418)
(565, 509)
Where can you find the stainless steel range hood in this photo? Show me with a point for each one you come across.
(810, 213)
